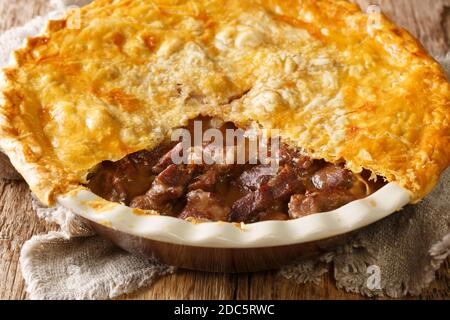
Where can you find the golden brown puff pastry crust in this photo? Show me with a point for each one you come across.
(339, 83)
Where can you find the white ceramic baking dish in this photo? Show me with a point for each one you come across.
(221, 246)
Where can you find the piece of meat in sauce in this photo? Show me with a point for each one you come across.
(129, 177)
(333, 176)
(206, 181)
(278, 189)
(210, 175)
(256, 176)
(167, 159)
(204, 205)
(177, 153)
(169, 185)
(285, 183)
(247, 208)
(303, 165)
(334, 186)
(314, 202)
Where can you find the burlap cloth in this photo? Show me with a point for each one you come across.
(396, 256)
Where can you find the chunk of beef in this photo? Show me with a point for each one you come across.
(206, 181)
(204, 206)
(167, 159)
(303, 164)
(247, 208)
(209, 151)
(174, 176)
(333, 177)
(169, 185)
(210, 175)
(279, 188)
(285, 183)
(222, 159)
(106, 183)
(127, 178)
(253, 178)
(147, 202)
(314, 202)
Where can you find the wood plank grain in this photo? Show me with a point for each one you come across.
(18, 223)
(190, 285)
(429, 20)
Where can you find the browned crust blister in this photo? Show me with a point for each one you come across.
(332, 83)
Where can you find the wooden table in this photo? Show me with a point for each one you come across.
(429, 20)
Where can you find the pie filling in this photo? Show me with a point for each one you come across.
(248, 192)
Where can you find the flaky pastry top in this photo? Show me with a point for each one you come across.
(118, 75)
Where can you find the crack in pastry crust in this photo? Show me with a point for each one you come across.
(335, 86)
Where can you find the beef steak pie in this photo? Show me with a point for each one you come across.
(355, 101)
